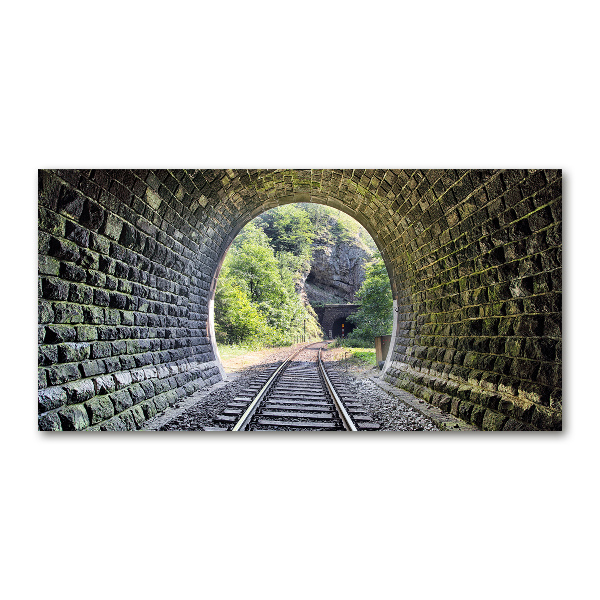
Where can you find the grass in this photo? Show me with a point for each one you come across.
(360, 356)
(227, 351)
(364, 355)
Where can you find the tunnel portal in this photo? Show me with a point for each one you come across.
(341, 327)
(331, 317)
(128, 263)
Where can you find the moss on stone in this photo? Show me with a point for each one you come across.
(493, 421)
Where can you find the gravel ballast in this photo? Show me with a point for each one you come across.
(391, 413)
(198, 411)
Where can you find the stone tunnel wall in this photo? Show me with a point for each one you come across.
(479, 326)
(128, 262)
(123, 301)
(328, 314)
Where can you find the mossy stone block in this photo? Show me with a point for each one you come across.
(50, 398)
(99, 409)
(121, 400)
(493, 421)
(79, 391)
(114, 424)
(49, 422)
(477, 414)
(74, 418)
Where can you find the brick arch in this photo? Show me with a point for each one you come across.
(129, 260)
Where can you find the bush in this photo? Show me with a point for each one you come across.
(256, 302)
(374, 317)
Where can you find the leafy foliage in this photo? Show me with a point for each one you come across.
(331, 226)
(256, 300)
(254, 267)
(289, 229)
(374, 317)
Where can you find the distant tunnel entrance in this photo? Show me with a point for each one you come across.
(341, 327)
(332, 316)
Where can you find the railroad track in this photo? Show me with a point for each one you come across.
(297, 395)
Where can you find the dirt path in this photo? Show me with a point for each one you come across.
(257, 357)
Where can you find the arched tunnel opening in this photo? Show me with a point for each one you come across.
(293, 274)
(129, 259)
(342, 327)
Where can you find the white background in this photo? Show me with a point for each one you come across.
(307, 85)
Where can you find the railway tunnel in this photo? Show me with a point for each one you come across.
(129, 259)
(333, 316)
(341, 327)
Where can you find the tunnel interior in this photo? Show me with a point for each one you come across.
(128, 262)
(342, 327)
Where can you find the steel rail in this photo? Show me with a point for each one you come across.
(346, 418)
(249, 412)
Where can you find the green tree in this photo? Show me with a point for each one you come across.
(236, 319)
(256, 300)
(289, 229)
(252, 263)
(374, 317)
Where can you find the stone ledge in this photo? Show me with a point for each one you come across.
(155, 423)
(443, 420)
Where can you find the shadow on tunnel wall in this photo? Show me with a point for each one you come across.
(128, 260)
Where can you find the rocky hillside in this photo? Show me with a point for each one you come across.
(339, 256)
(326, 249)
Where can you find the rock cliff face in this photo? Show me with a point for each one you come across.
(337, 270)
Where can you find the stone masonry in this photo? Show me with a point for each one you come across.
(328, 314)
(128, 262)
